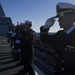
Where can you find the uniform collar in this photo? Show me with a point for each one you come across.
(70, 30)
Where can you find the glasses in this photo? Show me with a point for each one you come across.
(61, 14)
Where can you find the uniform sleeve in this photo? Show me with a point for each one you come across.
(45, 37)
(30, 37)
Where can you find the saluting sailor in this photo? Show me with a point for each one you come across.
(63, 40)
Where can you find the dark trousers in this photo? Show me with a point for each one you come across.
(28, 63)
(28, 68)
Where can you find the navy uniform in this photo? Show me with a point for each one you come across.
(27, 50)
(64, 44)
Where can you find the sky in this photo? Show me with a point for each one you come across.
(37, 11)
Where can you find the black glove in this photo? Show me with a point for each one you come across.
(42, 30)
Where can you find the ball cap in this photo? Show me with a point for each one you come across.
(64, 7)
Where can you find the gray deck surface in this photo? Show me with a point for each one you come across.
(7, 65)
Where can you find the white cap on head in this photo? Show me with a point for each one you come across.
(28, 22)
(65, 7)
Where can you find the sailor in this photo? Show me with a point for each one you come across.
(27, 49)
(63, 40)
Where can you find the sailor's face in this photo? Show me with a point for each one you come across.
(27, 26)
(65, 20)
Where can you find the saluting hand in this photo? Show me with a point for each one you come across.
(49, 23)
